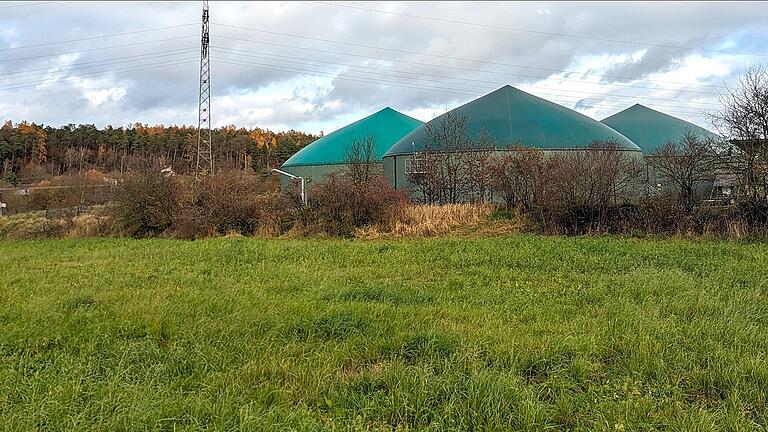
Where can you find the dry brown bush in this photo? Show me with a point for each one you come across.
(339, 205)
(91, 225)
(230, 202)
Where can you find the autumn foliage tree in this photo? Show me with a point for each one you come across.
(31, 151)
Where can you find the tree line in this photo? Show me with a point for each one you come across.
(31, 151)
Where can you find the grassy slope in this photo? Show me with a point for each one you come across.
(524, 332)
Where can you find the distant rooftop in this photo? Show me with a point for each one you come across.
(385, 126)
(512, 116)
(651, 129)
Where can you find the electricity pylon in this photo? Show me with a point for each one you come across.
(204, 137)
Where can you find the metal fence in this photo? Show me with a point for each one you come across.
(57, 213)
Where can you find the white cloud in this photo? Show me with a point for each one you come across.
(98, 97)
(293, 82)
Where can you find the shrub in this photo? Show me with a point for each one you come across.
(11, 178)
(146, 204)
(230, 202)
(586, 191)
(91, 225)
(339, 204)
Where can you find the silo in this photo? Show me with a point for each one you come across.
(651, 129)
(511, 117)
(329, 153)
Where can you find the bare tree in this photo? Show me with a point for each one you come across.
(686, 164)
(515, 176)
(585, 185)
(743, 119)
(478, 166)
(362, 165)
(448, 162)
(424, 174)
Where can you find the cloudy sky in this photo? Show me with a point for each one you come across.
(316, 66)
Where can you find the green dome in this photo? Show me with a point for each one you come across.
(512, 117)
(651, 129)
(386, 127)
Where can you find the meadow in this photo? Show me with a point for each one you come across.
(522, 332)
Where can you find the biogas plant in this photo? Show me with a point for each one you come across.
(508, 118)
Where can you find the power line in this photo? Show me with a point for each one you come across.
(28, 4)
(505, 74)
(445, 57)
(82, 75)
(483, 88)
(433, 89)
(452, 67)
(515, 29)
(236, 62)
(376, 81)
(270, 56)
(97, 37)
(471, 60)
(96, 49)
(75, 78)
(103, 62)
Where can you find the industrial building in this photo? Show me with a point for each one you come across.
(511, 117)
(651, 129)
(329, 153)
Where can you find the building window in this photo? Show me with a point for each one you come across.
(416, 164)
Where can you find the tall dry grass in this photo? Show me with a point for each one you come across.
(429, 220)
(36, 226)
(92, 225)
(32, 227)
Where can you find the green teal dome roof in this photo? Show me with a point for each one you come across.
(385, 126)
(512, 116)
(651, 129)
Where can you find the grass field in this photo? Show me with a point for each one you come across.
(517, 333)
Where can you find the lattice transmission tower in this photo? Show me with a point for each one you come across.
(204, 136)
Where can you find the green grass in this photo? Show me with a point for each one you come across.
(518, 333)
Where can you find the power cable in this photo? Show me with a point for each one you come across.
(75, 78)
(515, 29)
(97, 37)
(28, 4)
(98, 48)
(479, 61)
(103, 62)
(454, 58)
(370, 80)
(270, 56)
